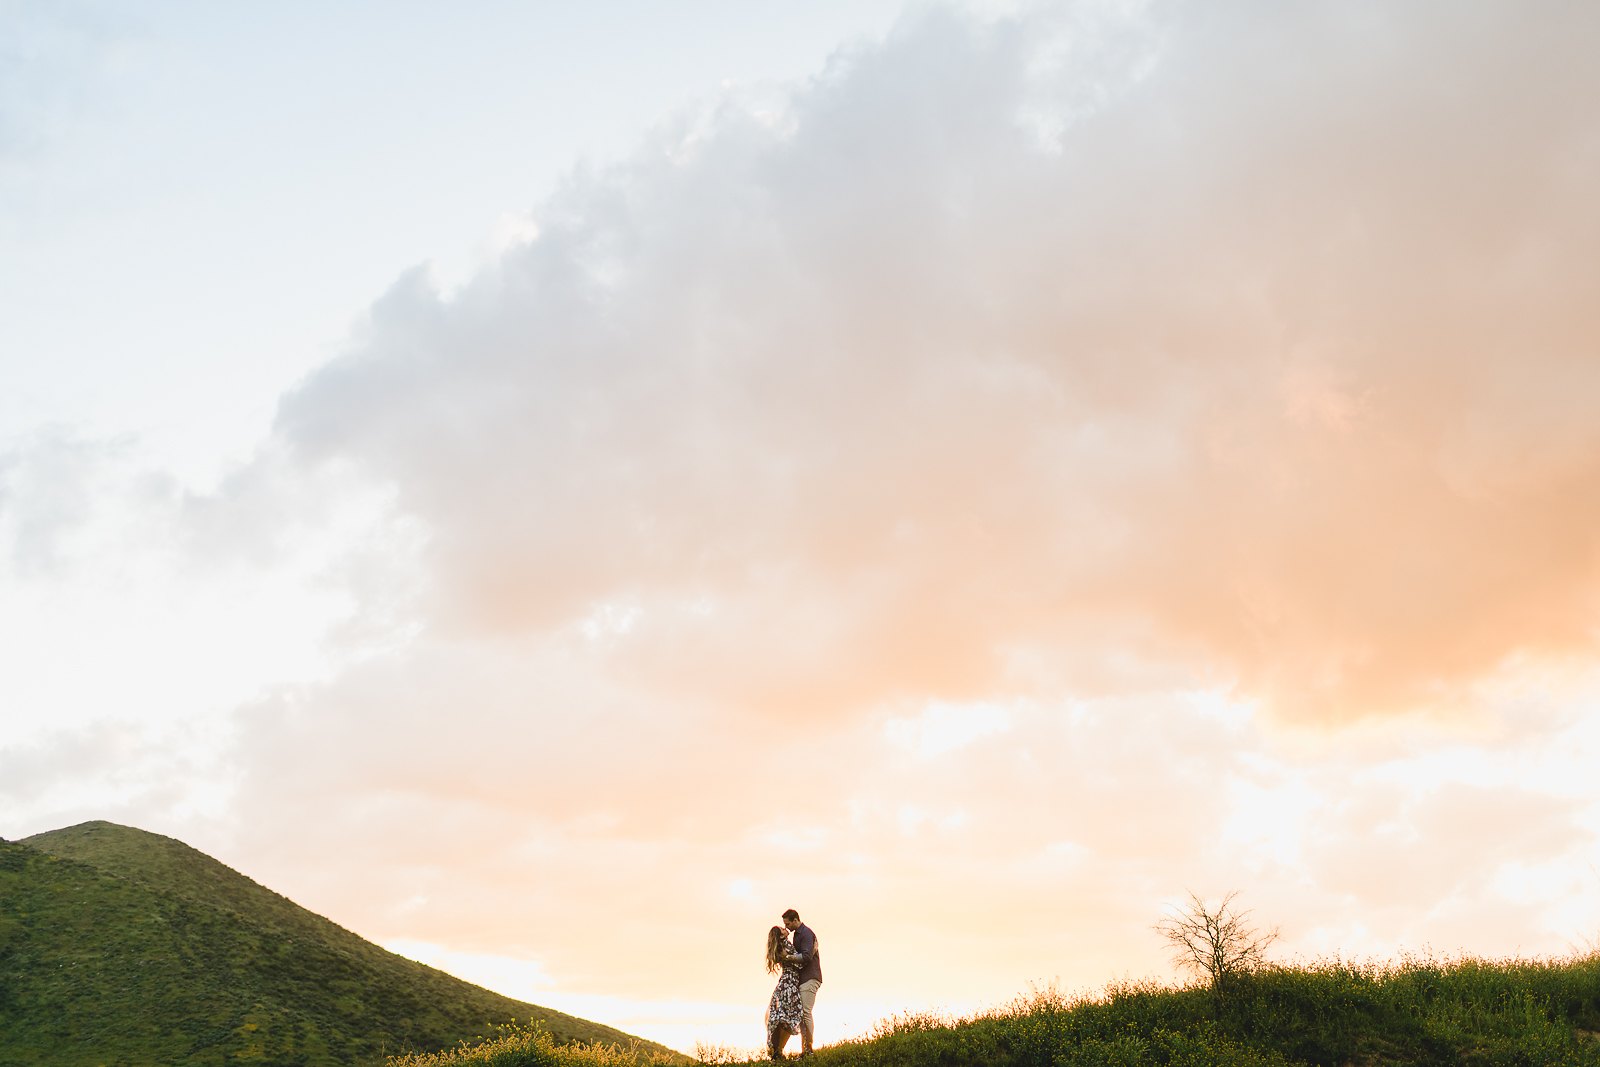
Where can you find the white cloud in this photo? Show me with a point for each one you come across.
(941, 728)
(136, 617)
(1227, 384)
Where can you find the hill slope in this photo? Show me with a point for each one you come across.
(119, 946)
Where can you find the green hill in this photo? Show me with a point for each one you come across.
(119, 946)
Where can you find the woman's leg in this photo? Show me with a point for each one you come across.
(778, 1039)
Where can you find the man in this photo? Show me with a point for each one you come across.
(805, 945)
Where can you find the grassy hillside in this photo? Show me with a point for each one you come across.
(123, 947)
(1422, 1013)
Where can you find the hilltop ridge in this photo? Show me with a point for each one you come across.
(168, 865)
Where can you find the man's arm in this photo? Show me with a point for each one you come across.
(805, 942)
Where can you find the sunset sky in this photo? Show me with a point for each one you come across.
(550, 486)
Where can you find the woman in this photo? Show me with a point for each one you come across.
(783, 1012)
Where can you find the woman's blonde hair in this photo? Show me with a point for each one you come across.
(775, 940)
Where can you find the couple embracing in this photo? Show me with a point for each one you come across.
(799, 971)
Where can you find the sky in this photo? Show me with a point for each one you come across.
(550, 488)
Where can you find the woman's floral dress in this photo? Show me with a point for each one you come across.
(784, 1009)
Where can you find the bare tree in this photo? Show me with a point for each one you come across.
(1218, 943)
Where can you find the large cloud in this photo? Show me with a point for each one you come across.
(1275, 361)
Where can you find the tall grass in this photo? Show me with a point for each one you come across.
(1416, 1012)
(533, 1046)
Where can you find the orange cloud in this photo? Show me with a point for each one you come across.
(1275, 365)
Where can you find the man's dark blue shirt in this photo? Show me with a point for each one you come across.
(805, 944)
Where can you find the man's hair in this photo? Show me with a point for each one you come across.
(792, 915)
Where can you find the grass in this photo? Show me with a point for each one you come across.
(534, 1046)
(123, 947)
(1418, 1012)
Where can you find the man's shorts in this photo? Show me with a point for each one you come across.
(808, 997)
